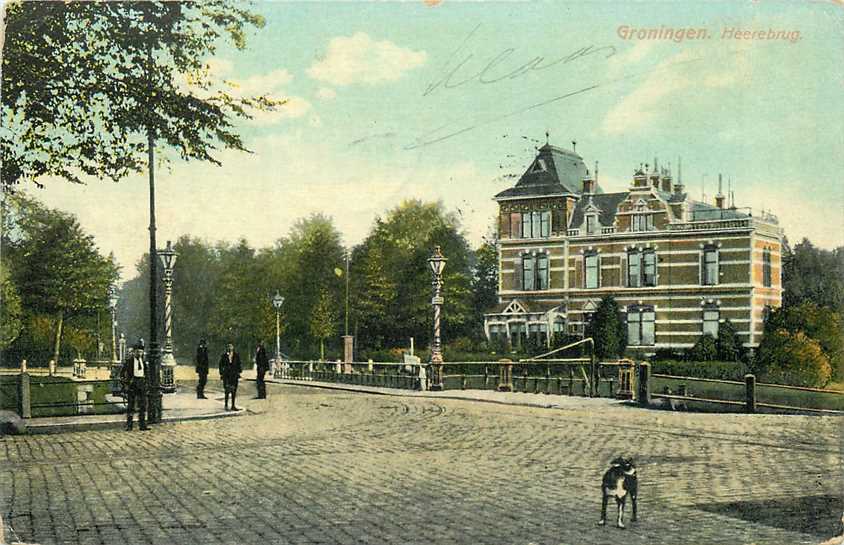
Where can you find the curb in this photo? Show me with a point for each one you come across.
(42, 429)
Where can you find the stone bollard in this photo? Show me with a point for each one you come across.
(750, 393)
(24, 396)
(52, 368)
(644, 393)
(505, 375)
(23, 366)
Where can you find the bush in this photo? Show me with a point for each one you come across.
(727, 344)
(792, 358)
(719, 370)
(705, 349)
(607, 329)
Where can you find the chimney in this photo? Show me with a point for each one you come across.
(666, 179)
(655, 175)
(678, 187)
(719, 198)
(588, 184)
(640, 179)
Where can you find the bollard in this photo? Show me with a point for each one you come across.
(24, 396)
(505, 375)
(23, 366)
(750, 392)
(644, 394)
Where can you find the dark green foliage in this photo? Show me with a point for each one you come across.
(607, 329)
(485, 281)
(728, 345)
(720, 370)
(705, 349)
(11, 311)
(83, 82)
(792, 358)
(813, 275)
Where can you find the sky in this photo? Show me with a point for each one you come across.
(449, 100)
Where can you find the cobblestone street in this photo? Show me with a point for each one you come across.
(322, 466)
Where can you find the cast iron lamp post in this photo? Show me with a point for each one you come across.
(168, 363)
(278, 300)
(112, 306)
(437, 263)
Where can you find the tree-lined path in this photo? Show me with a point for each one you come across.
(318, 466)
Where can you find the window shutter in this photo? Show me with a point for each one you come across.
(558, 221)
(702, 267)
(519, 271)
(504, 225)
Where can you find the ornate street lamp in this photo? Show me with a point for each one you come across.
(112, 306)
(278, 300)
(168, 363)
(437, 263)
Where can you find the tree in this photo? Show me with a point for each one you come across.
(485, 279)
(728, 345)
(813, 275)
(58, 266)
(792, 358)
(607, 330)
(705, 349)
(89, 87)
(11, 311)
(323, 321)
(822, 324)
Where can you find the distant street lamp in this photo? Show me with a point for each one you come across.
(278, 300)
(168, 363)
(112, 306)
(437, 263)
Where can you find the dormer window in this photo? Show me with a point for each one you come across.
(642, 222)
(592, 224)
(539, 166)
(536, 224)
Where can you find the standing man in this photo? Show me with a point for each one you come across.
(262, 364)
(230, 370)
(134, 380)
(201, 369)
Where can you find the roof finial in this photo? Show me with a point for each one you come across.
(547, 136)
(596, 172)
(574, 146)
(680, 170)
(656, 168)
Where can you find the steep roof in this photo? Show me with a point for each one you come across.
(554, 171)
(606, 202)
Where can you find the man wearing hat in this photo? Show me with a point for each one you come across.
(201, 368)
(134, 381)
(230, 370)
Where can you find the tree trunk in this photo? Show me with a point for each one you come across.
(322, 349)
(58, 342)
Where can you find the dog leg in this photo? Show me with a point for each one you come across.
(604, 499)
(620, 522)
(633, 498)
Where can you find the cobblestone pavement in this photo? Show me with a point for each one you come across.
(322, 466)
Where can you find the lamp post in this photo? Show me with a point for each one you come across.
(437, 263)
(112, 306)
(278, 300)
(168, 363)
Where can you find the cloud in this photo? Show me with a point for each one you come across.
(360, 59)
(326, 93)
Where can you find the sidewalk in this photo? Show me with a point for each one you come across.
(546, 401)
(178, 407)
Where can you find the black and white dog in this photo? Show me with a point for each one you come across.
(619, 482)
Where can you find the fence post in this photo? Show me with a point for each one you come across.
(644, 384)
(505, 375)
(24, 396)
(750, 392)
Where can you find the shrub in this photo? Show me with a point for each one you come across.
(792, 358)
(607, 329)
(728, 345)
(704, 349)
(719, 370)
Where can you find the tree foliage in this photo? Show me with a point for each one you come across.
(705, 349)
(607, 329)
(792, 358)
(813, 275)
(728, 344)
(85, 84)
(323, 321)
(11, 310)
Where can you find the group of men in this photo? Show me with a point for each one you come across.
(135, 371)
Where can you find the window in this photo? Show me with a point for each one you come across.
(528, 274)
(643, 222)
(640, 326)
(496, 331)
(531, 224)
(711, 317)
(518, 333)
(766, 268)
(535, 272)
(766, 313)
(592, 271)
(559, 326)
(634, 269)
(591, 224)
(641, 268)
(538, 332)
(709, 266)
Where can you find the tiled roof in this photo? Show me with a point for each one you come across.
(555, 171)
(606, 202)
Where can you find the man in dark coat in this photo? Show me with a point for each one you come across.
(262, 364)
(230, 370)
(133, 377)
(201, 369)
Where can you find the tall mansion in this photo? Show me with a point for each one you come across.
(677, 267)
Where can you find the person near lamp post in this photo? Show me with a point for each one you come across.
(230, 370)
(262, 365)
(201, 368)
(134, 373)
